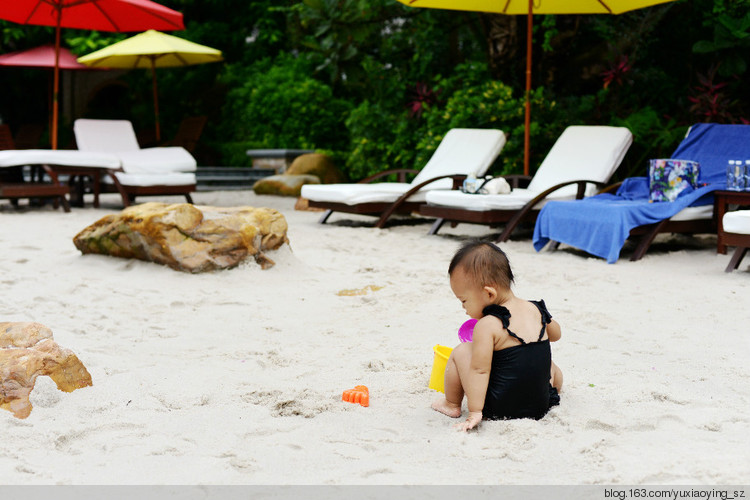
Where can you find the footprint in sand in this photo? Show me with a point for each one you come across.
(376, 472)
(243, 465)
(170, 451)
(305, 404)
(603, 426)
(27, 248)
(666, 398)
(374, 366)
(129, 265)
(25, 470)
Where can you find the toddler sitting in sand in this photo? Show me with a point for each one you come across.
(506, 371)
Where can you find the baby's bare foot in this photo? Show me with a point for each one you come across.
(447, 408)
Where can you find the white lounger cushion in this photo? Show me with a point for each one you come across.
(580, 153)
(354, 194)
(462, 151)
(694, 213)
(170, 179)
(63, 157)
(515, 200)
(737, 222)
(105, 135)
(466, 151)
(157, 160)
(117, 137)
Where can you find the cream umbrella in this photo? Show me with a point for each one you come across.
(529, 8)
(152, 49)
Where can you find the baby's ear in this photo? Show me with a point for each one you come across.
(491, 291)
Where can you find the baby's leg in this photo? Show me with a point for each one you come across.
(555, 377)
(458, 364)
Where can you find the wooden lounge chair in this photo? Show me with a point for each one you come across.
(462, 152)
(28, 136)
(600, 225)
(736, 232)
(6, 138)
(144, 172)
(12, 183)
(188, 133)
(581, 161)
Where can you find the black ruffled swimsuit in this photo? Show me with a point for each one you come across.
(519, 379)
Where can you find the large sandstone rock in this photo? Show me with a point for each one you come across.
(317, 164)
(284, 184)
(27, 351)
(187, 237)
(311, 168)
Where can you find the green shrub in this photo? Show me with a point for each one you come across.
(382, 138)
(654, 136)
(385, 137)
(280, 106)
(491, 104)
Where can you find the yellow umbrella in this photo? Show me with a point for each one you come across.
(529, 8)
(152, 49)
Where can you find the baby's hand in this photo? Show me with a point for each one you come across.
(471, 421)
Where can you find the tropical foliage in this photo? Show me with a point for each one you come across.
(377, 83)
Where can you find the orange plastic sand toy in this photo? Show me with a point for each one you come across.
(360, 394)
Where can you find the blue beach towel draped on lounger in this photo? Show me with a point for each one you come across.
(600, 225)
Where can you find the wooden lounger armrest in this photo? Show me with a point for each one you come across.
(517, 180)
(402, 199)
(458, 181)
(612, 188)
(401, 172)
(579, 193)
(120, 188)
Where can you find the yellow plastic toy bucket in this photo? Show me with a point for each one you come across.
(437, 378)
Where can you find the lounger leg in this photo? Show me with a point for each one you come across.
(646, 241)
(120, 188)
(737, 257)
(76, 183)
(189, 198)
(383, 220)
(554, 245)
(325, 216)
(436, 226)
(65, 204)
(509, 227)
(96, 185)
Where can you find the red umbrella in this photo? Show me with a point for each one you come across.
(102, 15)
(42, 57)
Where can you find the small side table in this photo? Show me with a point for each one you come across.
(722, 199)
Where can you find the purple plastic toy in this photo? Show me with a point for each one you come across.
(466, 332)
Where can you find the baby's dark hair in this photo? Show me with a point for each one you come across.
(484, 263)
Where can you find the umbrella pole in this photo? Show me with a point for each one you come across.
(156, 99)
(527, 122)
(56, 84)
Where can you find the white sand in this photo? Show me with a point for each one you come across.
(235, 377)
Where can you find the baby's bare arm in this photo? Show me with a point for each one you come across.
(482, 347)
(553, 331)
